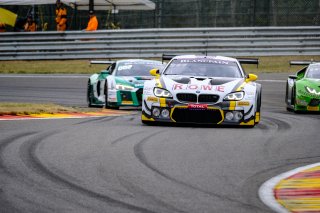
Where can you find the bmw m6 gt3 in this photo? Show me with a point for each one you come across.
(202, 90)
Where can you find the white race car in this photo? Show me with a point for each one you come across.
(202, 90)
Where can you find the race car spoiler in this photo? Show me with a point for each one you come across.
(102, 62)
(241, 60)
(303, 62)
(248, 60)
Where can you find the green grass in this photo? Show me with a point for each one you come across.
(275, 64)
(49, 67)
(267, 64)
(7, 108)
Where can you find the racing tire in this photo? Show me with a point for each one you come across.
(89, 94)
(293, 100)
(259, 90)
(106, 105)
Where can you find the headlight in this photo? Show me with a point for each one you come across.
(124, 87)
(312, 91)
(162, 93)
(235, 96)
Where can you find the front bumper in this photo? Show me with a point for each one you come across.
(225, 113)
(125, 98)
(306, 103)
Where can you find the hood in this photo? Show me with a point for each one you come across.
(184, 84)
(311, 82)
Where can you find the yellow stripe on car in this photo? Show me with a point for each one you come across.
(257, 119)
(241, 86)
(163, 102)
(158, 82)
(145, 118)
(249, 123)
(232, 105)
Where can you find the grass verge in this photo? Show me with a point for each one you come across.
(266, 64)
(7, 108)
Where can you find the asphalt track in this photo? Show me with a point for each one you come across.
(116, 164)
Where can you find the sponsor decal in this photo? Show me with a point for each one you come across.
(125, 67)
(197, 106)
(138, 85)
(313, 108)
(243, 103)
(204, 61)
(217, 88)
(152, 99)
(301, 102)
(127, 102)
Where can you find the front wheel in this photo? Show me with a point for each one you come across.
(258, 107)
(293, 99)
(89, 94)
(106, 104)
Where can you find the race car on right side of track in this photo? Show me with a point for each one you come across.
(303, 89)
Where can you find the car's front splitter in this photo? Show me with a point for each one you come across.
(224, 113)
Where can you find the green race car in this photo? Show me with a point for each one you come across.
(121, 84)
(303, 89)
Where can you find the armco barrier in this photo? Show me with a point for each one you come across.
(152, 43)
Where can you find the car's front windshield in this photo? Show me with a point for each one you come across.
(204, 67)
(139, 68)
(313, 71)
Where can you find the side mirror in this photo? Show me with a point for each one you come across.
(155, 72)
(293, 77)
(251, 77)
(105, 72)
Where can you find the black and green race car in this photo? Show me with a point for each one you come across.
(303, 89)
(121, 83)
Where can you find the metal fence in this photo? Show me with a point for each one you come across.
(188, 13)
(152, 43)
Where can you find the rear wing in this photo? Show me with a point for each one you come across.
(167, 57)
(102, 62)
(301, 63)
(248, 60)
(241, 60)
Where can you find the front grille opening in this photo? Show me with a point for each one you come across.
(126, 96)
(207, 116)
(187, 97)
(203, 98)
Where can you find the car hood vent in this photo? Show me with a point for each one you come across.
(220, 81)
(200, 80)
(183, 80)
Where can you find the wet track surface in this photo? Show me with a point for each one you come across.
(116, 164)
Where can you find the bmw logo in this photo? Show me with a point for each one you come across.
(197, 91)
